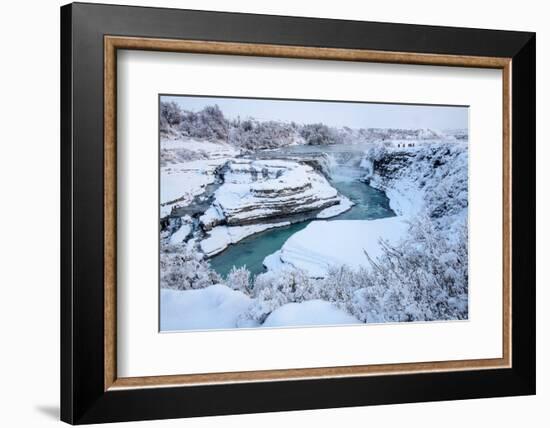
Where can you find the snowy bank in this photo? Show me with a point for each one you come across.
(214, 307)
(220, 307)
(210, 149)
(323, 244)
(311, 312)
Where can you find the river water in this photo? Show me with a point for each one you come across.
(370, 204)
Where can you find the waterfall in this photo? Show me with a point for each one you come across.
(368, 166)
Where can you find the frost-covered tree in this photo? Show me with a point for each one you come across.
(170, 114)
(423, 278)
(341, 284)
(252, 134)
(239, 279)
(183, 267)
(208, 123)
(275, 289)
(317, 134)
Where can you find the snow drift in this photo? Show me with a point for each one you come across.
(323, 244)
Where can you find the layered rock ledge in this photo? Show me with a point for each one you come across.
(264, 194)
(266, 191)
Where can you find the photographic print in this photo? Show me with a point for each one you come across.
(284, 213)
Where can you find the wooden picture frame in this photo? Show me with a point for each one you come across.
(91, 390)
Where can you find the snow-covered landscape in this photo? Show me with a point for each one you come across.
(301, 217)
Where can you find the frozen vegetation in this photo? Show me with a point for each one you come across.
(224, 181)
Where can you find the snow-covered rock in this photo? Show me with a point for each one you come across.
(344, 205)
(219, 238)
(187, 167)
(181, 234)
(180, 183)
(262, 194)
(432, 178)
(256, 194)
(212, 217)
(311, 312)
(260, 190)
(323, 244)
(318, 160)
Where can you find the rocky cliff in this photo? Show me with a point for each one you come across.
(430, 179)
(256, 191)
(260, 194)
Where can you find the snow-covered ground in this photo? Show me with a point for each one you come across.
(311, 312)
(219, 307)
(214, 307)
(323, 244)
(212, 149)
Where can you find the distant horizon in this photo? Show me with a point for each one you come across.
(339, 114)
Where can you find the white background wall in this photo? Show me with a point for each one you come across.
(29, 214)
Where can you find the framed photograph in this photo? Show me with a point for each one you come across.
(265, 213)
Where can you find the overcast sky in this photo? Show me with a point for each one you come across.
(338, 114)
